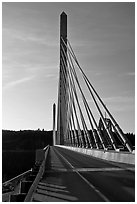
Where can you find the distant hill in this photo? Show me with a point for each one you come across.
(34, 139)
(26, 139)
(131, 138)
(18, 150)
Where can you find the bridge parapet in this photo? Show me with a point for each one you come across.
(113, 156)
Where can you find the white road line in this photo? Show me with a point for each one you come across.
(91, 185)
(103, 169)
(86, 169)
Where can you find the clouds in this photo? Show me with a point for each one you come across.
(117, 104)
(13, 34)
(25, 54)
(102, 36)
(120, 103)
(117, 99)
(18, 82)
(131, 74)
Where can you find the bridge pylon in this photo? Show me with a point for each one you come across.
(62, 89)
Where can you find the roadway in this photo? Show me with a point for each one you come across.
(72, 176)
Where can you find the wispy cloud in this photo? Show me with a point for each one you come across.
(127, 74)
(51, 75)
(130, 74)
(118, 99)
(17, 82)
(14, 34)
(118, 103)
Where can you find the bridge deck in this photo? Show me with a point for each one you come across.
(71, 176)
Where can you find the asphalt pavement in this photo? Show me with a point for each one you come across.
(73, 177)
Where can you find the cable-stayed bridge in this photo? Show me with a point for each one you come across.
(72, 128)
(101, 165)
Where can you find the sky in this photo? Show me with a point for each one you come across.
(103, 38)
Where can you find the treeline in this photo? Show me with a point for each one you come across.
(35, 139)
(26, 139)
(131, 138)
(18, 150)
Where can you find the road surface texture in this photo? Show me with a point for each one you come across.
(73, 177)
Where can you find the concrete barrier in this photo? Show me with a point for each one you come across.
(121, 157)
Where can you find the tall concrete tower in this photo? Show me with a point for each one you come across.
(62, 89)
(54, 116)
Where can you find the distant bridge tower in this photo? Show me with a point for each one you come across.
(62, 89)
(54, 116)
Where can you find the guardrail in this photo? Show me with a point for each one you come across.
(38, 177)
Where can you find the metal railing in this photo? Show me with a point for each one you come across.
(14, 181)
(38, 177)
